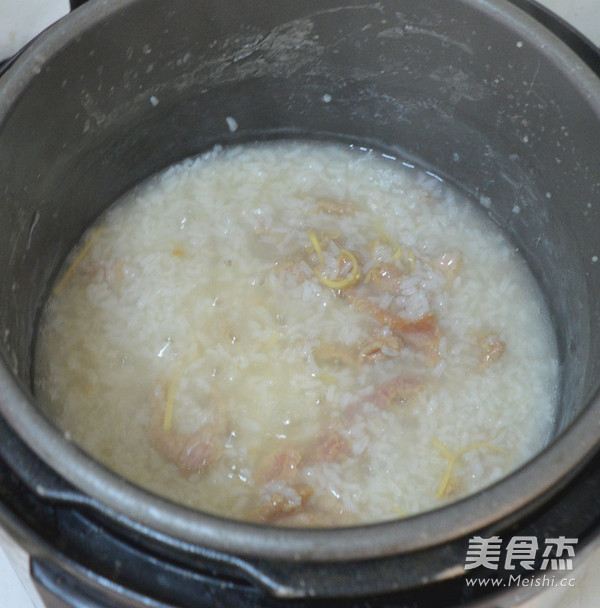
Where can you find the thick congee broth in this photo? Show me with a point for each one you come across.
(300, 334)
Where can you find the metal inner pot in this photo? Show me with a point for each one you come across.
(474, 91)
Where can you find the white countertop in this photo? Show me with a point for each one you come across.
(20, 20)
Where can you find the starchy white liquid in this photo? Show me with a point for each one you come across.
(300, 334)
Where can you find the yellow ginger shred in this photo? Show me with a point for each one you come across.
(317, 246)
(444, 451)
(78, 259)
(171, 388)
(173, 385)
(332, 236)
(327, 378)
(452, 459)
(398, 254)
(347, 281)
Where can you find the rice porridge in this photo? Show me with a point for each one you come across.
(299, 334)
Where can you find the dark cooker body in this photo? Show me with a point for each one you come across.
(476, 92)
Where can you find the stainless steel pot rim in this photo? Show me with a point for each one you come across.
(518, 493)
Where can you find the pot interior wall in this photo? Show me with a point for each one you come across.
(460, 88)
